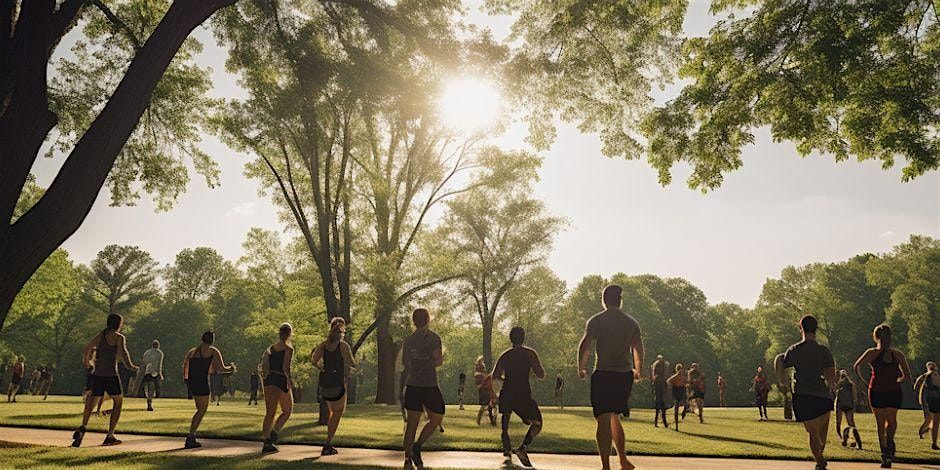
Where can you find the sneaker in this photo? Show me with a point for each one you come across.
(523, 457)
(273, 437)
(328, 450)
(409, 465)
(935, 447)
(416, 456)
(441, 428)
(268, 447)
(845, 437)
(149, 408)
(111, 441)
(191, 443)
(77, 436)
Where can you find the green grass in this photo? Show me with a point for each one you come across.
(729, 432)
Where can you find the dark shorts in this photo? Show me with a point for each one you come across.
(16, 379)
(525, 408)
(100, 385)
(659, 395)
(844, 408)
(807, 407)
(421, 398)
(483, 397)
(679, 395)
(932, 404)
(610, 392)
(150, 378)
(198, 387)
(890, 399)
(333, 393)
(697, 394)
(276, 380)
(89, 381)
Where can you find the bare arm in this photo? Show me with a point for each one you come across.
(781, 371)
(160, 366)
(498, 369)
(638, 354)
(288, 357)
(89, 350)
(537, 366)
(917, 385)
(584, 352)
(863, 360)
(905, 368)
(348, 357)
(126, 354)
(189, 354)
(265, 363)
(830, 375)
(317, 356)
(218, 363)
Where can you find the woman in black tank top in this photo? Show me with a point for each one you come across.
(198, 364)
(331, 357)
(275, 365)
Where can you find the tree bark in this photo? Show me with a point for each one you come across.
(387, 352)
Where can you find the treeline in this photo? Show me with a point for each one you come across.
(65, 303)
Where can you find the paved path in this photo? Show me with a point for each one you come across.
(391, 458)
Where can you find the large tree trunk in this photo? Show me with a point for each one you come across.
(488, 342)
(386, 353)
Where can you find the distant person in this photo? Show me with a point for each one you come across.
(422, 354)
(720, 382)
(45, 381)
(34, 380)
(560, 391)
(106, 346)
(761, 388)
(658, 378)
(17, 371)
(514, 367)
(697, 389)
(845, 405)
(889, 370)
(461, 384)
(333, 357)
(484, 384)
(614, 335)
(927, 390)
(198, 366)
(276, 367)
(217, 389)
(815, 377)
(153, 372)
(678, 383)
(254, 383)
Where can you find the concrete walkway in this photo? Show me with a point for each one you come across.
(391, 458)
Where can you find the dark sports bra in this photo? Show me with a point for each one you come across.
(276, 361)
(884, 375)
(199, 366)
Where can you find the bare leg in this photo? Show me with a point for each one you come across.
(202, 403)
(603, 437)
(412, 419)
(891, 426)
(272, 396)
(813, 429)
(286, 401)
(839, 425)
(115, 413)
(881, 424)
(434, 421)
(620, 442)
(90, 402)
(337, 408)
(935, 427)
(504, 433)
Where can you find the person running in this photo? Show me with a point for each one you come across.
(216, 389)
(658, 377)
(560, 391)
(845, 405)
(153, 372)
(720, 382)
(332, 357)
(461, 384)
(198, 365)
(254, 382)
(422, 354)
(927, 391)
(34, 380)
(513, 368)
(614, 334)
(276, 368)
(761, 389)
(101, 354)
(889, 370)
(484, 386)
(45, 381)
(678, 383)
(17, 371)
(697, 389)
(815, 377)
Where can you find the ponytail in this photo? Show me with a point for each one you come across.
(882, 334)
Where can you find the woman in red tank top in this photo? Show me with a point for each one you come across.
(888, 371)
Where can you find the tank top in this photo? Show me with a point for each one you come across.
(18, 369)
(844, 394)
(333, 368)
(106, 358)
(884, 375)
(199, 366)
(276, 361)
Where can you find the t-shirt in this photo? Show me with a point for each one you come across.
(809, 358)
(844, 393)
(418, 358)
(153, 362)
(514, 365)
(659, 371)
(613, 332)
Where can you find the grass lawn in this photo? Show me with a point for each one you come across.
(729, 432)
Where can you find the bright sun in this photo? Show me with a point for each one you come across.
(469, 104)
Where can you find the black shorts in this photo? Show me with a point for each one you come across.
(89, 381)
(844, 408)
(16, 379)
(659, 395)
(932, 404)
(483, 397)
(610, 392)
(276, 380)
(807, 407)
(421, 398)
(525, 408)
(697, 394)
(150, 378)
(891, 399)
(333, 393)
(100, 385)
(679, 395)
(198, 387)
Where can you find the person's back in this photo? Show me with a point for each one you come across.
(516, 364)
(613, 331)
(844, 394)
(885, 371)
(418, 349)
(106, 358)
(659, 371)
(809, 358)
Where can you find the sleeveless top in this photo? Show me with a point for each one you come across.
(18, 369)
(334, 369)
(106, 358)
(276, 361)
(931, 389)
(884, 375)
(844, 395)
(199, 366)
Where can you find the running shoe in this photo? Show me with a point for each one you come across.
(111, 441)
(845, 437)
(149, 408)
(273, 436)
(416, 456)
(77, 436)
(191, 443)
(934, 447)
(268, 447)
(523, 457)
(328, 450)
(409, 465)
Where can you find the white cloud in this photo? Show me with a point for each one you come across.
(243, 209)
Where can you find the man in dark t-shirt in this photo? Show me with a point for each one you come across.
(560, 391)
(814, 379)
(658, 376)
(513, 368)
(421, 355)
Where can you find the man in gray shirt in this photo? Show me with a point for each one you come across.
(614, 334)
(153, 372)
(421, 355)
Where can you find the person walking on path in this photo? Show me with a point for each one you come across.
(697, 388)
(276, 370)
(332, 357)
(845, 405)
(101, 354)
(514, 367)
(254, 383)
(815, 378)
(889, 370)
(761, 389)
(17, 371)
(614, 335)
(198, 365)
(927, 390)
(461, 385)
(560, 391)
(153, 372)
(422, 354)
(720, 382)
(678, 382)
(658, 377)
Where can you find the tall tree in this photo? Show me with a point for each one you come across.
(196, 274)
(267, 263)
(129, 49)
(121, 277)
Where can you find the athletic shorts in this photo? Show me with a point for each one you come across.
(807, 407)
(890, 399)
(697, 394)
(198, 387)
(16, 379)
(421, 398)
(333, 393)
(525, 408)
(610, 392)
(483, 397)
(659, 395)
(276, 380)
(89, 381)
(150, 378)
(844, 408)
(933, 404)
(679, 395)
(100, 385)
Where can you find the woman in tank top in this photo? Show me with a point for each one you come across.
(198, 364)
(927, 390)
(889, 370)
(332, 357)
(845, 405)
(275, 365)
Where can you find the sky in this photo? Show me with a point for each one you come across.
(777, 210)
